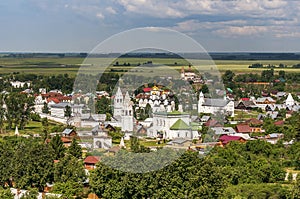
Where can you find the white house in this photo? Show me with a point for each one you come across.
(18, 84)
(207, 105)
(58, 110)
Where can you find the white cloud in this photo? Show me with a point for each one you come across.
(184, 8)
(100, 15)
(194, 25)
(289, 35)
(232, 31)
(111, 10)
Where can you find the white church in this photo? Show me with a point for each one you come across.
(123, 111)
(208, 105)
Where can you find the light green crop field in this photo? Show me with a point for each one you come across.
(54, 66)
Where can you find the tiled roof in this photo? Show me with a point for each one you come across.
(212, 123)
(243, 128)
(91, 159)
(279, 123)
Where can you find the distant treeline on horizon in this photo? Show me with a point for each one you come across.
(211, 55)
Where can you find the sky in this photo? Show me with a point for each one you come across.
(218, 25)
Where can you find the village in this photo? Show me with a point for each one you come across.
(156, 119)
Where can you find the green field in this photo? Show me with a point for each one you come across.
(53, 66)
(33, 127)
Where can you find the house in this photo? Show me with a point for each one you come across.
(67, 142)
(262, 102)
(205, 118)
(18, 84)
(58, 110)
(223, 130)
(244, 105)
(253, 122)
(280, 94)
(91, 161)
(92, 196)
(243, 128)
(213, 106)
(272, 114)
(181, 143)
(274, 137)
(213, 123)
(225, 139)
(69, 133)
(279, 123)
(243, 135)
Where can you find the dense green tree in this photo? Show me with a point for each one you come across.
(6, 194)
(68, 189)
(187, 177)
(68, 111)
(75, 149)
(45, 108)
(58, 146)
(296, 188)
(267, 75)
(69, 168)
(32, 165)
(228, 76)
(19, 108)
(204, 89)
(256, 191)
(103, 106)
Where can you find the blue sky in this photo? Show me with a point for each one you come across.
(218, 25)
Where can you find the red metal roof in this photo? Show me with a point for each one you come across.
(147, 89)
(245, 99)
(227, 138)
(91, 159)
(243, 128)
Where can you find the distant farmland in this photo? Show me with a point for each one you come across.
(53, 66)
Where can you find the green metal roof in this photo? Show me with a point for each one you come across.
(180, 125)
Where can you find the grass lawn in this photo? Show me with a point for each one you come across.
(33, 127)
(243, 115)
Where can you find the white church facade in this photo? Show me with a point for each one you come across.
(208, 105)
(123, 111)
(170, 125)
